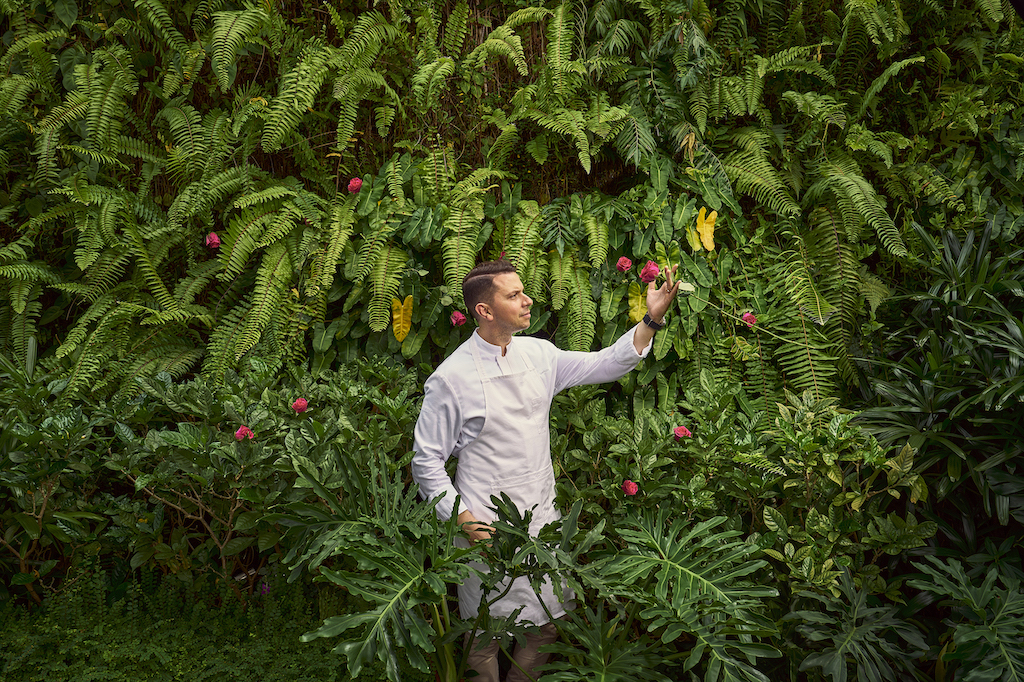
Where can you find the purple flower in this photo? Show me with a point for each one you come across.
(749, 318)
(244, 432)
(354, 185)
(629, 487)
(300, 405)
(624, 264)
(212, 240)
(649, 273)
(458, 319)
(681, 432)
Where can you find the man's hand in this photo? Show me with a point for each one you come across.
(474, 529)
(660, 298)
(658, 301)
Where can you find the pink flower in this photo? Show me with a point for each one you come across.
(458, 319)
(681, 432)
(300, 405)
(649, 273)
(629, 487)
(212, 240)
(244, 432)
(749, 318)
(624, 264)
(354, 185)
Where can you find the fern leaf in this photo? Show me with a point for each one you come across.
(297, 93)
(882, 80)
(230, 31)
(455, 29)
(384, 281)
(459, 248)
(272, 281)
(161, 20)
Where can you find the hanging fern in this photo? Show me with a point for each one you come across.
(384, 281)
(230, 31)
(297, 93)
(455, 29)
(459, 248)
(273, 279)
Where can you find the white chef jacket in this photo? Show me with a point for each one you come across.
(453, 411)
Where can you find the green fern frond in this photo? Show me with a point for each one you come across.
(502, 42)
(273, 278)
(560, 269)
(384, 281)
(266, 194)
(14, 93)
(190, 286)
(30, 272)
(527, 15)
(429, 81)
(149, 267)
(19, 249)
(873, 289)
(240, 240)
(382, 227)
(459, 248)
(325, 263)
(297, 93)
(521, 245)
(455, 29)
(230, 31)
(597, 237)
(135, 148)
(841, 176)
(186, 126)
(582, 309)
(220, 355)
(561, 35)
(754, 175)
(882, 80)
(156, 13)
(284, 222)
(635, 142)
(503, 145)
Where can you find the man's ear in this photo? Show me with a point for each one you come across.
(483, 311)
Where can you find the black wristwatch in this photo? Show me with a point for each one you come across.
(651, 323)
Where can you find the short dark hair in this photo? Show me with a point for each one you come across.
(478, 285)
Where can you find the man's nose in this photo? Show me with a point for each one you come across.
(529, 301)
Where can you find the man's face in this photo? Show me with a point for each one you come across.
(510, 305)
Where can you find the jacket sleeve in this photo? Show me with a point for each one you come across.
(437, 432)
(574, 368)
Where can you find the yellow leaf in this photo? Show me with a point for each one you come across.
(706, 229)
(401, 317)
(637, 302)
(693, 238)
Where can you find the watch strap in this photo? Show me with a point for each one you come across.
(649, 321)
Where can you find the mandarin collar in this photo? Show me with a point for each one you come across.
(489, 349)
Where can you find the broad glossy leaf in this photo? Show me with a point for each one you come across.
(637, 302)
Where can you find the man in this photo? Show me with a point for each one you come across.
(488, 405)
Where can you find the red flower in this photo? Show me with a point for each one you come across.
(624, 264)
(681, 432)
(458, 319)
(629, 487)
(354, 185)
(300, 405)
(244, 432)
(212, 240)
(649, 273)
(749, 318)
